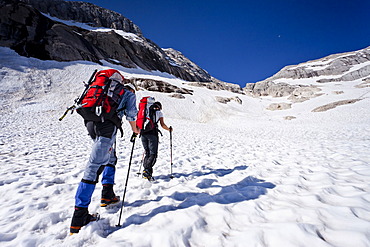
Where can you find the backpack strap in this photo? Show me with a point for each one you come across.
(122, 109)
(121, 130)
(153, 116)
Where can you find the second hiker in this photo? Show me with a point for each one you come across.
(149, 136)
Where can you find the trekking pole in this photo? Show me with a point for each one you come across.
(142, 161)
(171, 176)
(128, 172)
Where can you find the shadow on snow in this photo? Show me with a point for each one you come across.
(217, 172)
(249, 188)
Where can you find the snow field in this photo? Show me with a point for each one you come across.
(243, 175)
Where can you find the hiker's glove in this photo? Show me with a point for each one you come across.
(134, 135)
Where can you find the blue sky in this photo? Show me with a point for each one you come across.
(248, 41)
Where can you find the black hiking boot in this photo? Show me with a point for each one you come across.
(107, 196)
(81, 217)
(147, 174)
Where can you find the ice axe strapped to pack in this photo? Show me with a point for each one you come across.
(77, 104)
(100, 99)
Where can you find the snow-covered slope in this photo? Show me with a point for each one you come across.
(244, 176)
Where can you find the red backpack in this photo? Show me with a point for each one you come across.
(101, 98)
(145, 120)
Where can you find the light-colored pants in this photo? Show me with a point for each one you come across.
(102, 159)
(103, 152)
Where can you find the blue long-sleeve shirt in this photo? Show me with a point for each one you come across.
(128, 104)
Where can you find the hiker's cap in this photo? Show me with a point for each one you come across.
(157, 105)
(130, 85)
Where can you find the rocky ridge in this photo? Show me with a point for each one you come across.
(84, 12)
(335, 65)
(349, 66)
(157, 85)
(25, 27)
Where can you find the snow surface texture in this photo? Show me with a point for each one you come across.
(244, 176)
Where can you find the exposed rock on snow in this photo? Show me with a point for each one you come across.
(177, 96)
(297, 93)
(351, 76)
(289, 117)
(342, 67)
(335, 104)
(279, 106)
(225, 100)
(178, 59)
(159, 86)
(303, 93)
(336, 64)
(85, 13)
(338, 92)
(219, 85)
(269, 88)
(366, 83)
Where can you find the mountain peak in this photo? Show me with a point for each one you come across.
(84, 12)
(348, 64)
(41, 29)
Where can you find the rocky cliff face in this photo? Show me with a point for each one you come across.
(85, 13)
(31, 33)
(348, 66)
(179, 60)
(343, 64)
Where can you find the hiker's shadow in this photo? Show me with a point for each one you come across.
(217, 172)
(248, 188)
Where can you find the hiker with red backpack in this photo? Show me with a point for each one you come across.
(102, 105)
(148, 117)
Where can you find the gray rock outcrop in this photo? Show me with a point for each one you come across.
(303, 93)
(177, 96)
(348, 66)
(350, 76)
(219, 85)
(159, 86)
(296, 93)
(333, 65)
(289, 117)
(279, 106)
(365, 83)
(176, 58)
(225, 100)
(269, 88)
(335, 104)
(30, 33)
(84, 12)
